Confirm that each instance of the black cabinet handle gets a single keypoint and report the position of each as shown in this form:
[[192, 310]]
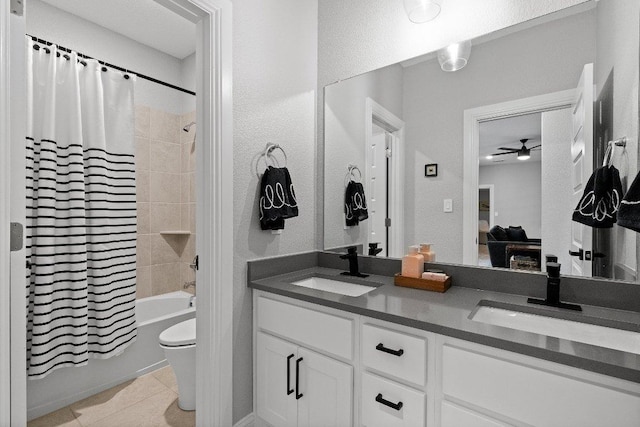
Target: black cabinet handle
[[396, 406], [298, 395], [381, 347], [289, 390]]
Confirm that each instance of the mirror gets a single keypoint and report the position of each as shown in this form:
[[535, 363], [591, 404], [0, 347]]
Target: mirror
[[418, 139]]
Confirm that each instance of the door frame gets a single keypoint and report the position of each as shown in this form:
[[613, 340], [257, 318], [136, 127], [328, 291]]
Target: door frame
[[214, 242], [376, 113], [472, 119], [492, 209]]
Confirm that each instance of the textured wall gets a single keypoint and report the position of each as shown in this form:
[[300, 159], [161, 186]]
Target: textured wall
[[557, 185], [517, 195], [617, 49], [274, 96]]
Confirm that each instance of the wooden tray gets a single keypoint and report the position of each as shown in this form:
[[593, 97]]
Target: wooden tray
[[426, 284]]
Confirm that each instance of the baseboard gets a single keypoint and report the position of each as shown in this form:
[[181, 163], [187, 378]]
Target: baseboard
[[245, 422]]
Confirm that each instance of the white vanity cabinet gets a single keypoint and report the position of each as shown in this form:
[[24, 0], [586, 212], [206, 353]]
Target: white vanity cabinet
[[320, 366], [485, 386], [295, 385]]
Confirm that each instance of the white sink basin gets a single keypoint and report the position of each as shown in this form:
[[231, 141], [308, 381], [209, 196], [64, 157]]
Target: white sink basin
[[603, 336], [334, 286]]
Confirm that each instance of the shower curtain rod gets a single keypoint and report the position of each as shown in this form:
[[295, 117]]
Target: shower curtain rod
[[142, 76]]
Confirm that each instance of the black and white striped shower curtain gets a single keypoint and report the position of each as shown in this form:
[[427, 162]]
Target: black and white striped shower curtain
[[81, 211]]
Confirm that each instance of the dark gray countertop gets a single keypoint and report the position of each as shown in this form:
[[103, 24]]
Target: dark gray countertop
[[448, 314]]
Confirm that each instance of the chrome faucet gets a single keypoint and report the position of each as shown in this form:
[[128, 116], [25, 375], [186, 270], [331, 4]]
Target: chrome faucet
[[189, 284], [553, 289], [352, 256]]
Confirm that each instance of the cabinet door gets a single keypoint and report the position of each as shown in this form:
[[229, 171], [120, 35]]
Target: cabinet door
[[275, 365], [455, 416], [326, 386]]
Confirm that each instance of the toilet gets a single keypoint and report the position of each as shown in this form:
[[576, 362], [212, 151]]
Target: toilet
[[179, 344]]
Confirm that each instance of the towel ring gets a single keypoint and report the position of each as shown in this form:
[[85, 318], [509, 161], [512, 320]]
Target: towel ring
[[269, 158], [351, 175], [611, 148]]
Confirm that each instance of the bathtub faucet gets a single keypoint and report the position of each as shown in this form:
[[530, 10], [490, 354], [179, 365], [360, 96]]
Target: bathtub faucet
[[189, 284]]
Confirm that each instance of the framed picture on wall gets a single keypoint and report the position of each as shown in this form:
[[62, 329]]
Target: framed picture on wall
[[431, 169]]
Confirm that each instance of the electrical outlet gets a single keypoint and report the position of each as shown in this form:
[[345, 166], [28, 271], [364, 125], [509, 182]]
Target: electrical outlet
[[448, 205]]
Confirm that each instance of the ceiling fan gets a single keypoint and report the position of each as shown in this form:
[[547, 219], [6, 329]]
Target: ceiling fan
[[523, 152]]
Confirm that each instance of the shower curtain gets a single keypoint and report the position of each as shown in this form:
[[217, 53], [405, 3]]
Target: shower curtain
[[81, 211]]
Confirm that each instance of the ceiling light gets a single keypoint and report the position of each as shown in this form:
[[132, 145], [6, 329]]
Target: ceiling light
[[455, 56], [421, 11], [489, 157], [524, 153]]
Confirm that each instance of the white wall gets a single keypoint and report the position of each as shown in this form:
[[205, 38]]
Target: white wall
[[345, 126], [617, 49], [557, 186], [538, 60], [274, 96], [49, 23], [517, 194]]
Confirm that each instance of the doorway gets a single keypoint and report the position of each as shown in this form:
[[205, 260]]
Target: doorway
[[486, 215], [213, 147], [384, 178]]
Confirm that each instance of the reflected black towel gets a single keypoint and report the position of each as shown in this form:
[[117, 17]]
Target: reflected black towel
[[355, 204], [629, 214], [277, 198], [601, 199]]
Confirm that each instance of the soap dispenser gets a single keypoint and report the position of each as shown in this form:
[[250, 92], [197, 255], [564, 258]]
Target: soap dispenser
[[413, 263]]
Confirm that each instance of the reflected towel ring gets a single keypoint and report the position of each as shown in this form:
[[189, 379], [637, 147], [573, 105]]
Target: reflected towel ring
[[269, 159], [350, 176]]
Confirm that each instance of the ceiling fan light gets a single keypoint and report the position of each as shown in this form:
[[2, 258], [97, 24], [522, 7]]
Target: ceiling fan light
[[421, 11], [524, 154], [489, 157], [455, 56]]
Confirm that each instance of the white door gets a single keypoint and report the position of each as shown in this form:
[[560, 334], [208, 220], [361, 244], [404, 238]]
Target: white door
[[326, 386], [276, 375], [377, 188], [582, 167]]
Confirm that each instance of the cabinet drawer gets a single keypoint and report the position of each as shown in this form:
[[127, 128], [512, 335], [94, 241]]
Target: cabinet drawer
[[375, 413], [381, 350], [315, 329]]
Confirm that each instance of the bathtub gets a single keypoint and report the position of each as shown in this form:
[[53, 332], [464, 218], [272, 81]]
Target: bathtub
[[67, 385]]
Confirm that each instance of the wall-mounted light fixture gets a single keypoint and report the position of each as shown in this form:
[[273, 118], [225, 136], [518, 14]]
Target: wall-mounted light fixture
[[455, 56], [421, 11]]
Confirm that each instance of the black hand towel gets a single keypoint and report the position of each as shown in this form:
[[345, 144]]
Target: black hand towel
[[355, 204], [629, 214], [601, 199], [277, 198]]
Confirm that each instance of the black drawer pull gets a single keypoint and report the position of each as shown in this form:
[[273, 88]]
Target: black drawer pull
[[289, 390], [381, 347], [298, 395], [396, 406]]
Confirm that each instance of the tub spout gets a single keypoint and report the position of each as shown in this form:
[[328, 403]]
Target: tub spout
[[189, 284]]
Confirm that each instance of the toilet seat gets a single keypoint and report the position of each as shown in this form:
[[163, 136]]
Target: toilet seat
[[180, 335]]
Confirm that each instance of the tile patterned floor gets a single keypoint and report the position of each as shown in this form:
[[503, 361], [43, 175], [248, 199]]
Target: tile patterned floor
[[147, 401]]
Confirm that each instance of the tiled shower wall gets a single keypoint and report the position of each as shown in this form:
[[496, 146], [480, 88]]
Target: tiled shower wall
[[165, 188]]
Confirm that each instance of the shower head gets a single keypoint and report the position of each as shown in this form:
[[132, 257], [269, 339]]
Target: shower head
[[188, 127]]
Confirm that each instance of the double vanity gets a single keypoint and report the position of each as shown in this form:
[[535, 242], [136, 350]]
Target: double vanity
[[334, 350]]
